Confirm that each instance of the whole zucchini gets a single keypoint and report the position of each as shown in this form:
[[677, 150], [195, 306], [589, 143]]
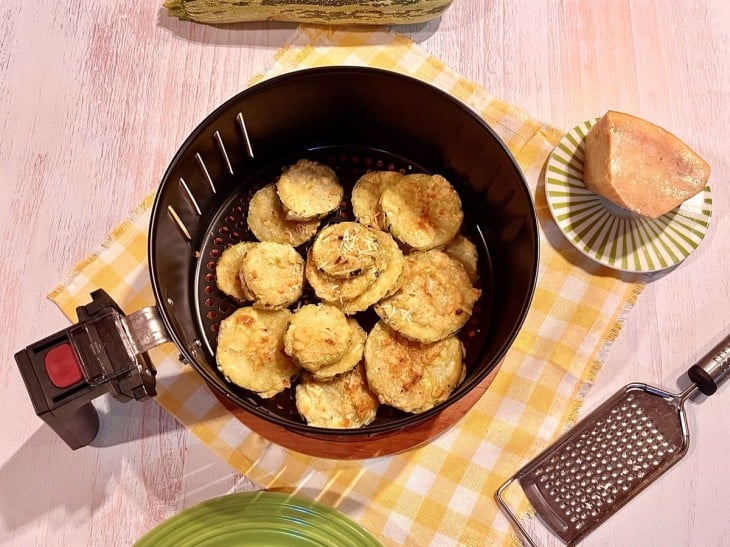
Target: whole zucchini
[[326, 12]]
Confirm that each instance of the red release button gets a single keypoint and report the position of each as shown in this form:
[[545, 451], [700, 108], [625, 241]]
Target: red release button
[[62, 366]]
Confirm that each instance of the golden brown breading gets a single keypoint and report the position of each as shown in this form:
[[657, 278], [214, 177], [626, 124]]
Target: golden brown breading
[[412, 376], [390, 266], [333, 290], [309, 190], [250, 350], [435, 298], [318, 335], [344, 402], [366, 197], [465, 252], [422, 211], [267, 220], [227, 272], [345, 249], [353, 355], [274, 274]]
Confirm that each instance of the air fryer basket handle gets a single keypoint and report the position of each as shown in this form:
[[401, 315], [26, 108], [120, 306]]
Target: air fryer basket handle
[[76, 421], [713, 369], [105, 352]]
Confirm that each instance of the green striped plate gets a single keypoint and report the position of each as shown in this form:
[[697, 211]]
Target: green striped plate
[[612, 235], [258, 519]]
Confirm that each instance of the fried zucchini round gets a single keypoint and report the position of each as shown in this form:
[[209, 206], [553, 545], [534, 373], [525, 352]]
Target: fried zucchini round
[[435, 298], [250, 350], [465, 252], [366, 197], [344, 402], [352, 357], [345, 249], [336, 291], [274, 273], [227, 272], [412, 376], [267, 220], [318, 335], [422, 211], [309, 190], [387, 282]]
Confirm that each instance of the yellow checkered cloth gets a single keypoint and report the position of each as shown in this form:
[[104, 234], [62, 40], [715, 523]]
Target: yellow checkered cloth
[[441, 493]]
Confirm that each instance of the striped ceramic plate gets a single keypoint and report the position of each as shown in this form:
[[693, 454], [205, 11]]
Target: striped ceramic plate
[[610, 234]]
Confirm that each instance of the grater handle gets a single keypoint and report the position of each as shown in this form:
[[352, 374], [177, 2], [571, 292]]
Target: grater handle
[[510, 514], [710, 371]]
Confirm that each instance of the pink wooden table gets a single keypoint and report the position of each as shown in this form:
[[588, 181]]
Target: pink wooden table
[[96, 97]]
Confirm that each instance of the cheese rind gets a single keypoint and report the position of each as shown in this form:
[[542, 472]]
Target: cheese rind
[[641, 166]]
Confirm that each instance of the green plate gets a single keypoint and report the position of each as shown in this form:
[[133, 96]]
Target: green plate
[[260, 519], [613, 236]]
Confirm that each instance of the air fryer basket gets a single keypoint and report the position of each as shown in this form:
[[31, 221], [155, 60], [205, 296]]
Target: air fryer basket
[[353, 119]]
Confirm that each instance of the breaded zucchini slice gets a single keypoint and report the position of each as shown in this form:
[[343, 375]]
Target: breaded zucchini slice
[[366, 197], [422, 211], [435, 298], [227, 272], [344, 402], [309, 190], [250, 351], [390, 266], [412, 376], [318, 335], [353, 355], [463, 250], [267, 220], [274, 273], [345, 249], [333, 290]]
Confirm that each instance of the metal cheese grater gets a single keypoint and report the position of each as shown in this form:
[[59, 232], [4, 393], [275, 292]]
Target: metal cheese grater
[[611, 455]]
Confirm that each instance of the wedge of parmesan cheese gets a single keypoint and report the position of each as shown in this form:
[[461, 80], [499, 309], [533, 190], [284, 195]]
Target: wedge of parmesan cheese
[[640, 166]]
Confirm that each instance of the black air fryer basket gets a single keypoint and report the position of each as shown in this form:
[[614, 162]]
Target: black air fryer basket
[[353, 119]]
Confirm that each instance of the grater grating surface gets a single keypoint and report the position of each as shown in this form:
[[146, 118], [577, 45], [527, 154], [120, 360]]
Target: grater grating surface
[[605, 461], [612, 454]]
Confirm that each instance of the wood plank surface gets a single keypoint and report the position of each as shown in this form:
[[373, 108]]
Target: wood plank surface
[[95, 98]]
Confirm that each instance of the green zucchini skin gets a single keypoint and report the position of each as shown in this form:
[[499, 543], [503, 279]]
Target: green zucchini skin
[[324, 12]]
